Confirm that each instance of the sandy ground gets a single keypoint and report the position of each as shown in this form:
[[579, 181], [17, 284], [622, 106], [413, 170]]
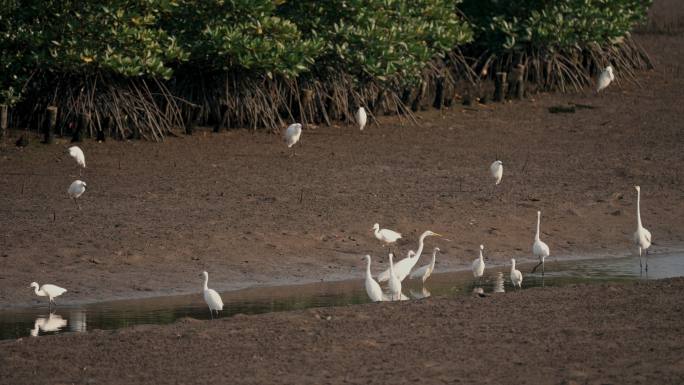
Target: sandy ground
[[597, 334], [155, 215]]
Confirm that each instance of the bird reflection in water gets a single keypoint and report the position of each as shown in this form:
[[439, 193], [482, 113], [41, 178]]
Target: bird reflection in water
[[53, 323]]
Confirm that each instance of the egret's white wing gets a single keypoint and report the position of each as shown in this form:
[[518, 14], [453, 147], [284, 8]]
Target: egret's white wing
[[292, 134], [78, 155], [53, 290], [213, 299], [361, 117], [604, 80], [389, 235], [373, 290], [401, 269]]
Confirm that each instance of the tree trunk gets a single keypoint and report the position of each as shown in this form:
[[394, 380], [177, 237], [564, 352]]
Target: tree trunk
[[50, 123]]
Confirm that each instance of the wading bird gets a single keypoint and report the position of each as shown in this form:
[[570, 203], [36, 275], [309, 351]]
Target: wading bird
[[76, 189], [292, 134], [479, 265], [76, 153], [211, 297], [539, 248], [394, 282], [386, 236], [605, 78], [403, 267], [516, 275], [642, 237], [372, 288], [496, 170], [361, 118], [425, 272], [48, 290]]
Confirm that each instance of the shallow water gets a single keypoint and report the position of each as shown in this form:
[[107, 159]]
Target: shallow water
[[38, 321]]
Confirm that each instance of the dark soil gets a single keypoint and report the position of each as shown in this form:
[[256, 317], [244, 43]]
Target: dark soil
[[598, 334]]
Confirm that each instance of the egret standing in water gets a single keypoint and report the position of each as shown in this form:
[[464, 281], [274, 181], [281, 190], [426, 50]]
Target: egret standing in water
[[48, 290], [605, 78], [76, 153], [211, 297], [403, 267], [292, 134], [426, 271], [76, 189], [516, 275], [496, 169], [394, 282], [372, 288], [361, 118], [539, 248], [479, 265], [642, 237]]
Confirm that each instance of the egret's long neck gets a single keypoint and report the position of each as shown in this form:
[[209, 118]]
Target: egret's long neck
[[377, 232], [421, 243], [512, 265], [206, 281], [481, 258], [391, 266], [639, 209], [39, 293], [368, 272], [434, 258], [536, 236]]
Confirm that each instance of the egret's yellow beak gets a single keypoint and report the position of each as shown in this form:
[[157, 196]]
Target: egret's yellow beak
[[438, 235]]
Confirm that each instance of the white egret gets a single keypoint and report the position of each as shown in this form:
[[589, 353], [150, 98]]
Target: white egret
[[372, 288], [496, 170], [516, 275], [361, 118], [605, 78], [48, 290], [76, 153], [403, 267], [387, 236], [642, 237], [539, 248], [394, 282], [479, 265], [292, 134], [76, 189], [211, 297], [424, 272], [53, 323]]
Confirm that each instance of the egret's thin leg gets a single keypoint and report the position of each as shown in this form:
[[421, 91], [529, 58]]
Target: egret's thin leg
[[211, 313], [535, 268]]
